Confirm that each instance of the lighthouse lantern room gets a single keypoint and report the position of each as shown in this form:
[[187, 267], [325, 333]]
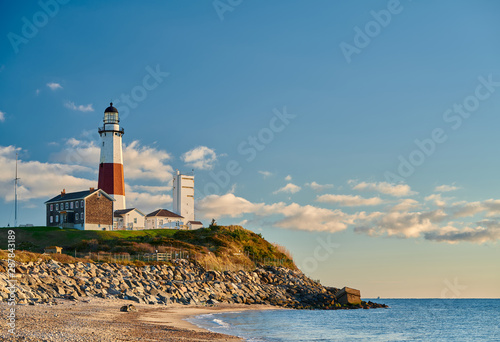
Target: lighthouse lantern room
[[111, 178]]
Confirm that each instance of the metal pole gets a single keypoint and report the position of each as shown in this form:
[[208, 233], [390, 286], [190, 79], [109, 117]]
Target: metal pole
[[15, 196]]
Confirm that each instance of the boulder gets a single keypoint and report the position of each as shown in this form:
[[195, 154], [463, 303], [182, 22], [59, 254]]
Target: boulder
[[128, 308]]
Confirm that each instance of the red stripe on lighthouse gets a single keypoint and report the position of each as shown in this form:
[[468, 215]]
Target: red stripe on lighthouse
[[111, 178]]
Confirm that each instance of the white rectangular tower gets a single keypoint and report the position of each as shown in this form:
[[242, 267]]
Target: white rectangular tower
[[184, 196]]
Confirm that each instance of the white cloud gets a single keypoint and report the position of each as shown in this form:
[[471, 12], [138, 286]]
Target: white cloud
[[146, 163], [37, 92], [150, 188], [78, 152], [147, 202], [2, 116], [266, 174], [437, 199], [288, 178], [445, 188], [349, 200], [139, 162], [485, 231], [81, 108], [291, 216], [319, 187], [397, 190], [201, 157], [289, 188], [39, 180], [405, 205], [215, 206], [403, 224], [54, 86]]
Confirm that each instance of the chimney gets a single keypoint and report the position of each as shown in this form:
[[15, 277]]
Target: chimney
[[63, 192], [92, 189]]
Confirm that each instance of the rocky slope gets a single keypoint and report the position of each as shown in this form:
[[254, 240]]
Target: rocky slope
[[183, 282]]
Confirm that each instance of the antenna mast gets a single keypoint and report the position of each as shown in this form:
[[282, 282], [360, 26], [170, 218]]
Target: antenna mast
[[15, 196]]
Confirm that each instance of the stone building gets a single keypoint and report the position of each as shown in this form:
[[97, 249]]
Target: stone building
[[85, 210]]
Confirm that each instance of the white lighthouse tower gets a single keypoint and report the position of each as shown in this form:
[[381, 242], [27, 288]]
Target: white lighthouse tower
[[111, 178], [184, 196]]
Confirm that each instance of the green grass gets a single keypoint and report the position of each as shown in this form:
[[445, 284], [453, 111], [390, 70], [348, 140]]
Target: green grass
[[221, 245]]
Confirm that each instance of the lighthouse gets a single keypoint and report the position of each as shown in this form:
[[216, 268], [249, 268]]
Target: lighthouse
[[111, 178]]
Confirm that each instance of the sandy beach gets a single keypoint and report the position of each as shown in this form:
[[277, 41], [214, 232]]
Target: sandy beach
[[95, 319]]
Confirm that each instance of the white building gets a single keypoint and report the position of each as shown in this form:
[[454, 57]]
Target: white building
[[194, 225], [164, 219], [183, 189], [129, 219]]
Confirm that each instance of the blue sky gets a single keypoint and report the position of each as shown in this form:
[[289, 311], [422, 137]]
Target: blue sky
[[377, 168]]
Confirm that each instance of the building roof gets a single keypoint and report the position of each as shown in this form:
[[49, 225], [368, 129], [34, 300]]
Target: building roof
[[111, 109], [77, 196], [196, 222], [121, 212], [163, 213]]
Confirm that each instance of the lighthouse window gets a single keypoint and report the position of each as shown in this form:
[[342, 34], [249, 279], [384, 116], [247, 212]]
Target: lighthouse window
[[103, 143]]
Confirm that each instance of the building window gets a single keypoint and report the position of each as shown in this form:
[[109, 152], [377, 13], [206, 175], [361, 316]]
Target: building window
[[76, 216], [51, 207], [67, 205], [76, 204], [81, 206], [161, 222], [51, 219], [71, 205], [57, 218], [135, 220], [57, 206]]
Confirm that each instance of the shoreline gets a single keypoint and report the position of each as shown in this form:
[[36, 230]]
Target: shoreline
[[177, 315], [96, 319]]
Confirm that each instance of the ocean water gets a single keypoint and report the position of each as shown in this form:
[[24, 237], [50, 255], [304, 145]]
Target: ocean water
[[405, 320]]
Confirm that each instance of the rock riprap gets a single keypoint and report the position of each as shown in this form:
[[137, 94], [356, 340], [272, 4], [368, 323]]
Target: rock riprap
[[182, 282]]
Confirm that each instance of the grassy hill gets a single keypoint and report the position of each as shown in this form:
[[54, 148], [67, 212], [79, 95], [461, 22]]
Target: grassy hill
[[223, 247]]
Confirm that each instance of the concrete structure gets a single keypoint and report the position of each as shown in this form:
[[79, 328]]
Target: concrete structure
[[53, 249], [183, 193], [111, 178], [129, 219], [86, 210], [348, 296], [164, 219]]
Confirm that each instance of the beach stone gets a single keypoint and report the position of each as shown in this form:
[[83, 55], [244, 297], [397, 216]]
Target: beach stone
[[128, 308]]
